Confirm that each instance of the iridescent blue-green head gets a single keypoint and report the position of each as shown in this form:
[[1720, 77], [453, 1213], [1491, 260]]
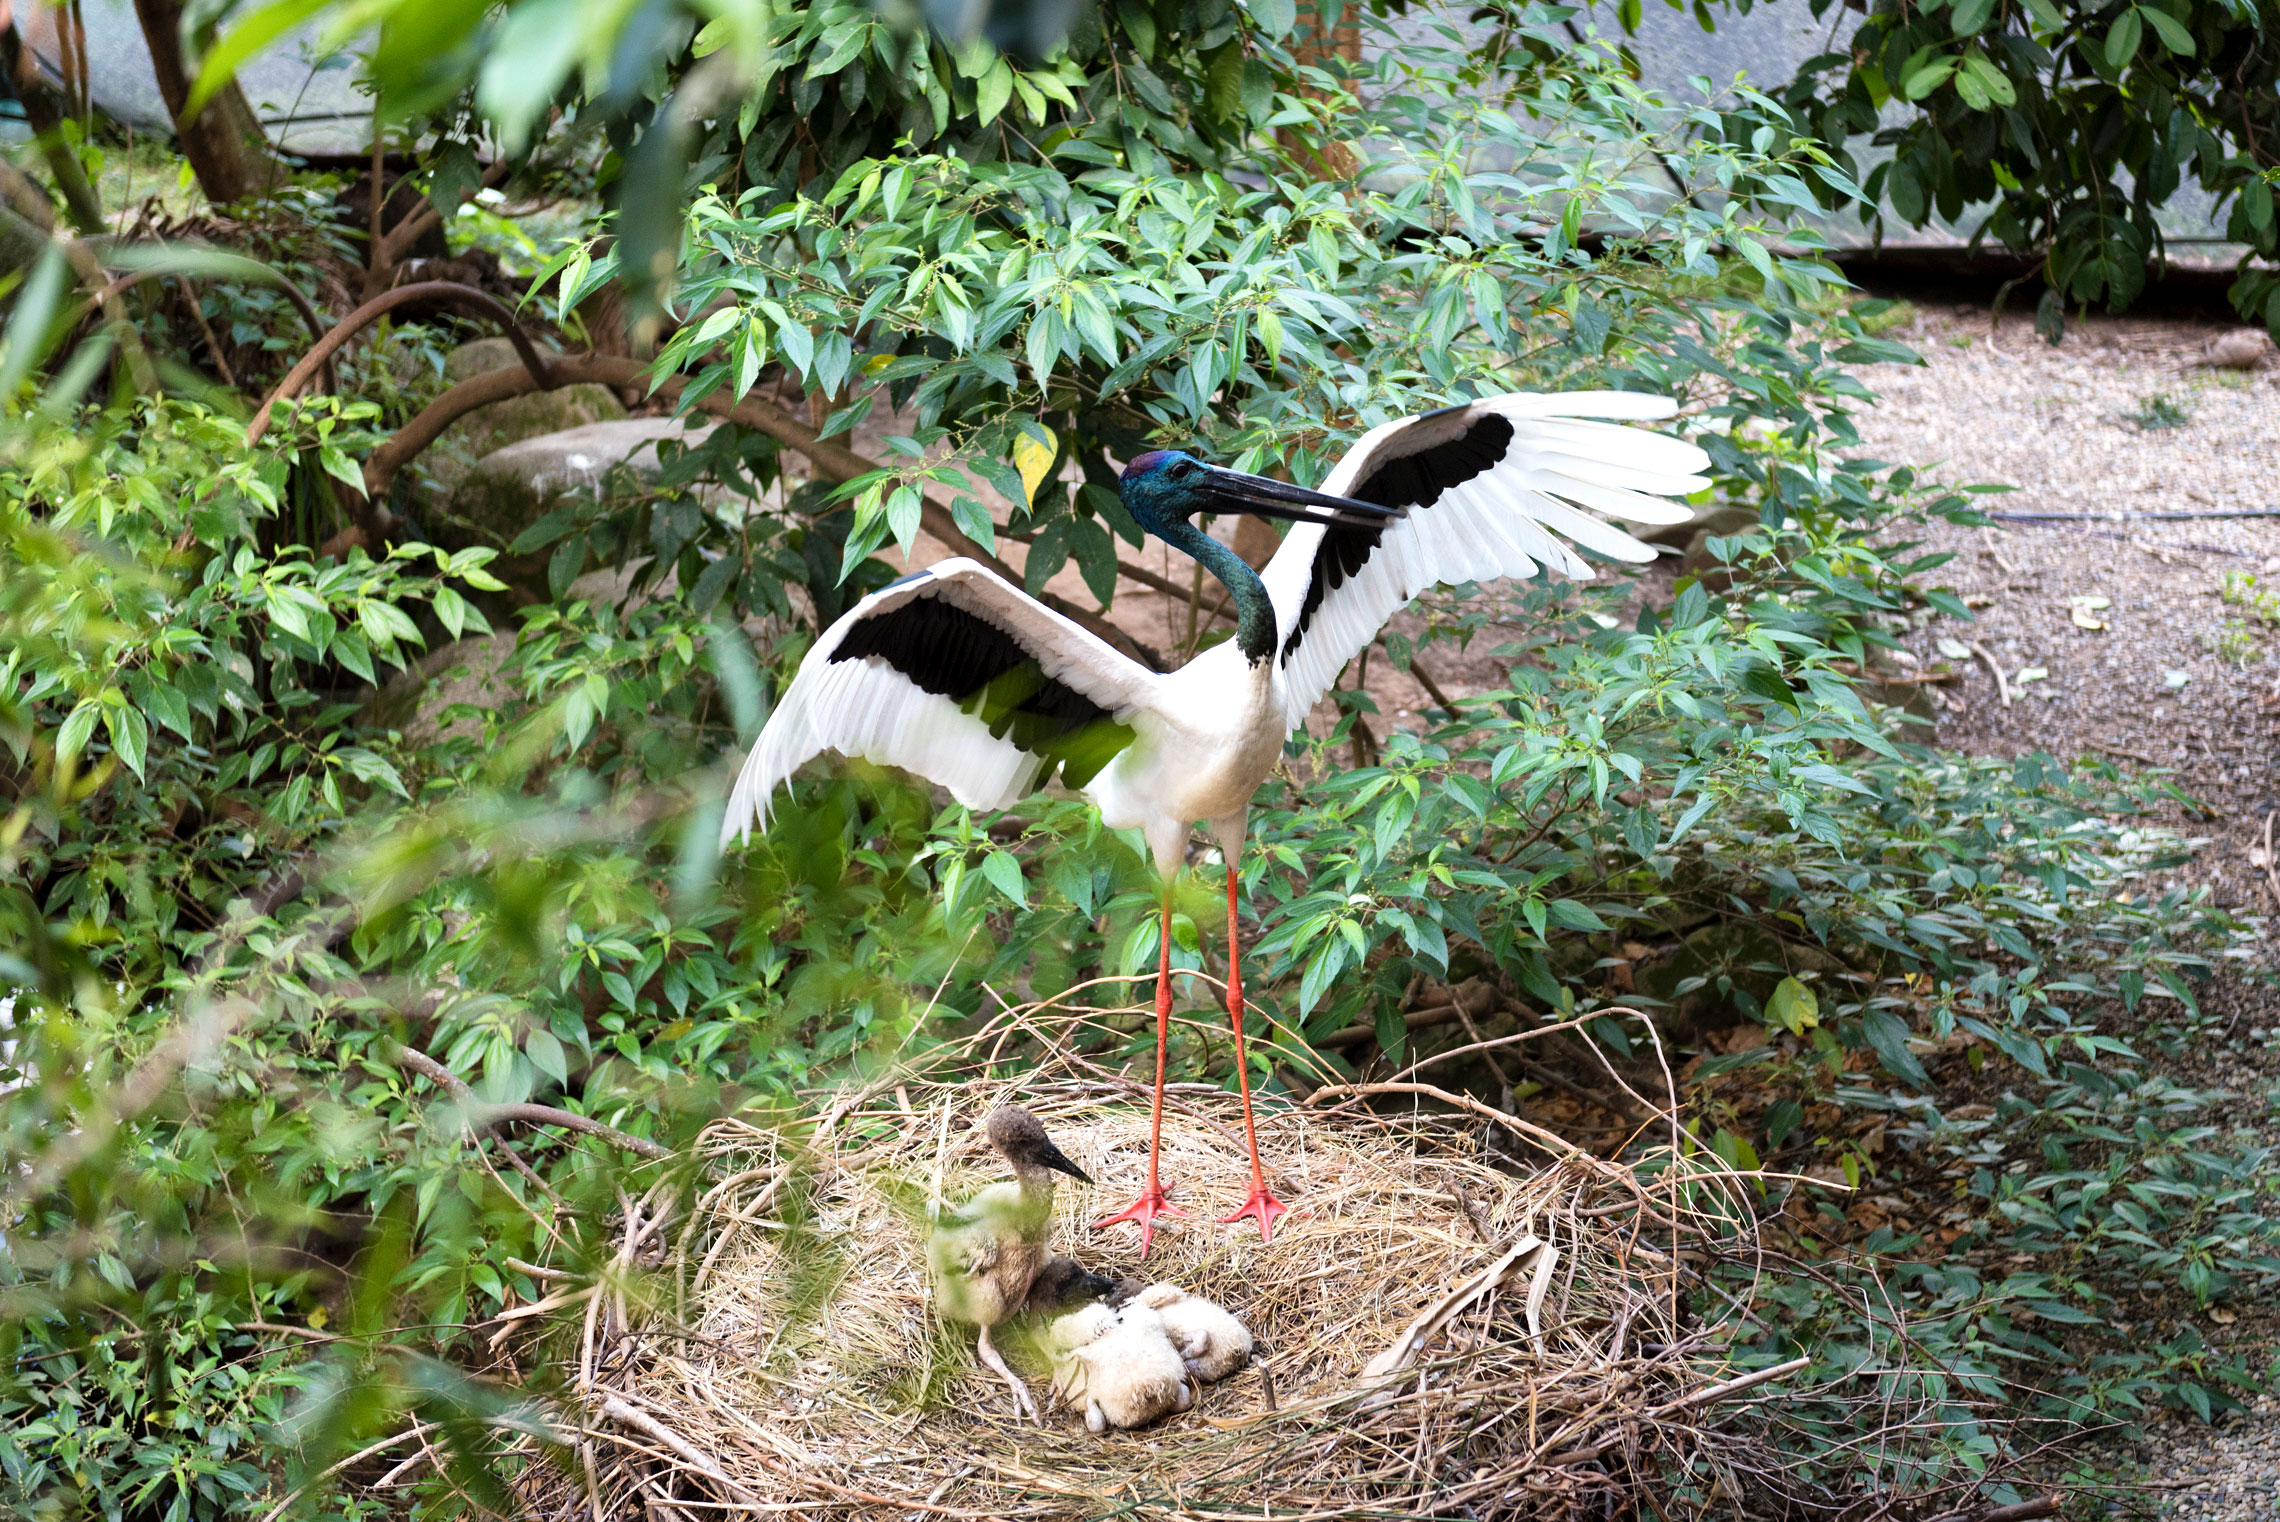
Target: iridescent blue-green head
[[1167, 487]]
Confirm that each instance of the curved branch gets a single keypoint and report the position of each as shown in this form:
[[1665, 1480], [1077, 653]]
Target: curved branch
[[448, 292], [485, 1117], [832, 460]]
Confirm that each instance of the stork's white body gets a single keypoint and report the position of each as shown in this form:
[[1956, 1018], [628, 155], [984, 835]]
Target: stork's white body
[[1212, 736], [1204, 737]]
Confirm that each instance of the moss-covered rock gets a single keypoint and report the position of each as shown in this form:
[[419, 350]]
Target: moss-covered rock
[[510, 489]]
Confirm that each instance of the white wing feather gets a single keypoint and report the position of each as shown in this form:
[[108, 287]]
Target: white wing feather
[[1505, 522], [867, 708]]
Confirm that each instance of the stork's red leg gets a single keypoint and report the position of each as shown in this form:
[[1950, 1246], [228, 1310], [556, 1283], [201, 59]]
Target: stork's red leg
[[1152, 1202], [1262, 1202]]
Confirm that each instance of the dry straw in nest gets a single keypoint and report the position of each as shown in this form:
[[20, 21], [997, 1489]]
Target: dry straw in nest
[[788, 1361]]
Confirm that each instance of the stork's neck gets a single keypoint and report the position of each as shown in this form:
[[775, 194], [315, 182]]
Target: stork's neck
[[1254, 610]]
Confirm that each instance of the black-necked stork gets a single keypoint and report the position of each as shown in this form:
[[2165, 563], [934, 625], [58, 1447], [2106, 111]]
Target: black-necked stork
[[958, 676], [984, 1257]]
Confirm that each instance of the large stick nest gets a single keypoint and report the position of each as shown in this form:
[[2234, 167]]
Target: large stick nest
[[787, 1357]]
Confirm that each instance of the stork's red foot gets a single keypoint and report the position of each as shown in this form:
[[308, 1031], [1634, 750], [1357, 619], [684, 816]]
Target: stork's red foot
[[1265, 1206], [1144, 1210]]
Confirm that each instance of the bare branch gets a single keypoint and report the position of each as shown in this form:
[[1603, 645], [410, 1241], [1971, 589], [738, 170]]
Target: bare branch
[[484, 1117]]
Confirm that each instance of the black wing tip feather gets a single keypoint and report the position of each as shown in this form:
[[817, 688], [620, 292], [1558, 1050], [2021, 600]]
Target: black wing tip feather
[[955, 653], [1412, 480]]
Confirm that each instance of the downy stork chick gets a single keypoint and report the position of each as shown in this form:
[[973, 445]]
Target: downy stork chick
[[985, 1256], [1119, 1365], [1064, 1285], [1211, 1342]]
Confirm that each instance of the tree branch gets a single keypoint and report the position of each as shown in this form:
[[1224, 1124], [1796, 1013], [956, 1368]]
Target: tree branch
[[485, 1117], [448, 292], [832, 460]]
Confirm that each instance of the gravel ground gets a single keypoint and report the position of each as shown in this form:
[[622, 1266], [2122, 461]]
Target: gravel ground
[[2164, 682], [2159, 683]]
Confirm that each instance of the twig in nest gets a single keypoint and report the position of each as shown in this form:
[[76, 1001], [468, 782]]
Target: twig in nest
[[1704, 1397], [2002, 686], [1464, 1201]]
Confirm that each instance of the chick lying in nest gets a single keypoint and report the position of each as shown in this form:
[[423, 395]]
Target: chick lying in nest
[[1131, 1358]]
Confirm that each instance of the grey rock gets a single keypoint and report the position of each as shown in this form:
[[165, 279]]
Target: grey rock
[[2240, 349], [446, 462], [511, 488]]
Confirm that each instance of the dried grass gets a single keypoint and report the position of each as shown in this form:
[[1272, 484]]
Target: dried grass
[[787, 1361]]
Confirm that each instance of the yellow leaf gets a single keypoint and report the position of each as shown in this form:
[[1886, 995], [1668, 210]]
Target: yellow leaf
[[318, 1318], [1033, 454], [1794, 1006]]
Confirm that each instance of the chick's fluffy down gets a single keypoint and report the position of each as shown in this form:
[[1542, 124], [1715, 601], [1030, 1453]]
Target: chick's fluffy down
[[1211, 1342], [1119, 1365]]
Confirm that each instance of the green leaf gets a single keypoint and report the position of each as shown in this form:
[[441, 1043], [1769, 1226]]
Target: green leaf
[[1223, 83], [545, 1053], [2123, 38], [1754, 252], [1991, 80], [243, 41], [1003, 873], [1888, 1034], [1735, 1150], [1275, 17], [170, 708], [1925, 80], [2174, 36], [1570, 915], [130, 735], [1392, 1029], [992, 91], [1139, 24], [72, 738], [841, 43]]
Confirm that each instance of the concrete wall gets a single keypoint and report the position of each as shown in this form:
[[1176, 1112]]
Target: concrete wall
[[307, 99]]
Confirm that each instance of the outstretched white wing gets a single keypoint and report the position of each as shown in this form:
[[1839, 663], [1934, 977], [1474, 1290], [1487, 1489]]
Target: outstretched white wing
[[1493, 488], [957, 675]]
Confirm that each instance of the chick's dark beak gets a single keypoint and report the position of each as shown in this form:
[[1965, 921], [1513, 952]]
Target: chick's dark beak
[[1050, 1156], [1235, 491]]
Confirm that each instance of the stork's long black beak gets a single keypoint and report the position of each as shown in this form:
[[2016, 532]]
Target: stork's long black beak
[[1046, 1155], [1264, 497]]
